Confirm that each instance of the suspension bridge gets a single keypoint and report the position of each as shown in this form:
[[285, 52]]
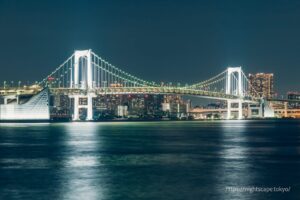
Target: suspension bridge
[[85, 75]]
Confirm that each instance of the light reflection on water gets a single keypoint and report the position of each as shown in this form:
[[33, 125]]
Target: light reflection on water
[[147, 160], [81, 163], [234, 167]]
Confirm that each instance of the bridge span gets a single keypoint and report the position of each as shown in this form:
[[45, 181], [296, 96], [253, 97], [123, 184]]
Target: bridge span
[[85, 75]]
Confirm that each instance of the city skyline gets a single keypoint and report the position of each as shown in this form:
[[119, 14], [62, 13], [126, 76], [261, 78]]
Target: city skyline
[[152, 99], [84, 85], [145, 40]]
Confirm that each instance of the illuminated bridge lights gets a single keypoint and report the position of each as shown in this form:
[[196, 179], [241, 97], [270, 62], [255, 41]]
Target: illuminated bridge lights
[[86, 74]]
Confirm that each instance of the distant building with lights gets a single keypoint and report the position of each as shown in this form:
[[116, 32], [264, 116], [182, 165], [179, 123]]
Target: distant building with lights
[[122, 111], [294, 96], [262, 84], [174, 106]]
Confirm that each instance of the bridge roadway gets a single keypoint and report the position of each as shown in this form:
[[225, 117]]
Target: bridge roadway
[[144, 90], [124, 90], [20, 91]]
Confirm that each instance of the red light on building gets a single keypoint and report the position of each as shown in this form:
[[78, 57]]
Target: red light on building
[[51, 78]]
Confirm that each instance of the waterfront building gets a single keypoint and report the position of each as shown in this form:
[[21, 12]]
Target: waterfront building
[[262, 84], [283, 109], [137, 106], [122, 111], [144, 106], [60, 107], [153, 105], [174, 106], [106, 106], [165, 107], [294, 96], [36, 108], [207, 113]]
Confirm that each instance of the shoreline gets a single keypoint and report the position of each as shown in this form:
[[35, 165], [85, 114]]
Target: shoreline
[[146, 120]]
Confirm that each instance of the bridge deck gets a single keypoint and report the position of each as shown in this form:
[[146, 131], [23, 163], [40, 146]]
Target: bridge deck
[[144, 90], [125, 90]]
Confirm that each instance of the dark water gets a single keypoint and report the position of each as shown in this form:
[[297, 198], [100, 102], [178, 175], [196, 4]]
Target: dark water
[[149, 160]]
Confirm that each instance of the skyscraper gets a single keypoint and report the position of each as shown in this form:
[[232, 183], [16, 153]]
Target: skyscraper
[[262, 84]]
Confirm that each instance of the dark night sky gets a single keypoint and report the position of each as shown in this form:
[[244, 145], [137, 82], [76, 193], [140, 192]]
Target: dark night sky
[[180, 41]]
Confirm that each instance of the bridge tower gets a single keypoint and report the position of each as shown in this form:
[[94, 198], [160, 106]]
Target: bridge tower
[[82, 81], [86, 82], [234, 86]]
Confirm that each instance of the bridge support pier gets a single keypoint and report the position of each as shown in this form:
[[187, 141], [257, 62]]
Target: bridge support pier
[[88, 105], [10, 97], [239, 108], [228, 109], [255, 110], [89, 108], [76, 109], [235, 88]]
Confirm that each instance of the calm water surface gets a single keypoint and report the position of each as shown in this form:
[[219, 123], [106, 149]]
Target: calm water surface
[[149, 160]]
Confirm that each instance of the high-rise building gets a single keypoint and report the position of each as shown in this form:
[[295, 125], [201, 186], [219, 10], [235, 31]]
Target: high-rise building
[[262, 84]]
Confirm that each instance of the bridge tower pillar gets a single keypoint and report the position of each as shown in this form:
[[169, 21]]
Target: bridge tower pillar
[[85, 77], [229, 81], [239, 108], [236, 89], [88, 72]]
